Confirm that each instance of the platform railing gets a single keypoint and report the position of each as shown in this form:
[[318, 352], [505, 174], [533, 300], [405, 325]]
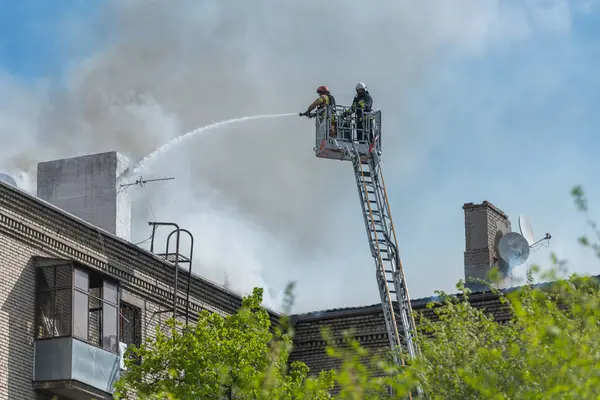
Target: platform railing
[[363, 128]]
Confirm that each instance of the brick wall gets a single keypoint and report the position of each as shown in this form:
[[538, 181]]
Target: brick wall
[[17, 310], [30, 227], [17, 314], [369, 326], [484, 226], [309, 345], [73, 238]]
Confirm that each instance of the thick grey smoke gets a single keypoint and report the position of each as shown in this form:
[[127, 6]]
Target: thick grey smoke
[[262, 207]]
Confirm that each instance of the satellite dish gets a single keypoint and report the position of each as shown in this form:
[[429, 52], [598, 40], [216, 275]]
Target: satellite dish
[[8, 180], [513, 249], [525, 228]]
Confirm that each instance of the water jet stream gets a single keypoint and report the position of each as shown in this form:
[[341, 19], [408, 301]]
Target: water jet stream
[[150, 158]]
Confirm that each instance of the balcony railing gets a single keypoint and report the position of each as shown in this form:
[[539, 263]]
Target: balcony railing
[[72, 368]]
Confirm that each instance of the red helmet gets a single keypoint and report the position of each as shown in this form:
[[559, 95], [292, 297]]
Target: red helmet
[[322, 89]]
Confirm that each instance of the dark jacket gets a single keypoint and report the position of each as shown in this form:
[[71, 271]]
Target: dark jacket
[[362, 103]]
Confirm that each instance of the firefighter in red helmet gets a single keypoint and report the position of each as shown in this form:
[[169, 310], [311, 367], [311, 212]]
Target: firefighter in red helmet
[[321, 104]]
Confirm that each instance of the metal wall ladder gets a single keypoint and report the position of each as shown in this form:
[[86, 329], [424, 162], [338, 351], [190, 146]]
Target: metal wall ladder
[[384, 248]]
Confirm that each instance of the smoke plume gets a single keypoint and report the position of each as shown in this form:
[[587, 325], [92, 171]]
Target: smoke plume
[[263, 209]]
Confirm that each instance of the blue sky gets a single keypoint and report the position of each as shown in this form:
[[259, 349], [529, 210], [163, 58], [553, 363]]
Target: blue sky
[[506, 111], [32, 42], [522, 127]]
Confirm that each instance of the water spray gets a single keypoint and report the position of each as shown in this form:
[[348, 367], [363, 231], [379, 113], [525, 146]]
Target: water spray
[[150, 158]]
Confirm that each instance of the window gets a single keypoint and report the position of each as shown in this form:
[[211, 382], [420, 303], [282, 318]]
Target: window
[[53, 308], [95, 310], [72, 301], [130, 332], [130, 324]]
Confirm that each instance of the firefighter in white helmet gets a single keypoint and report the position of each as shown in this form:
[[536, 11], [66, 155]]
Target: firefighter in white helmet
[[363, 102]]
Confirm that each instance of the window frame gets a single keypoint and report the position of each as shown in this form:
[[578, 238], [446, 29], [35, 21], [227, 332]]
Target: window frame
[[137, 327], [103, 303], [39, 271], [73, 317]]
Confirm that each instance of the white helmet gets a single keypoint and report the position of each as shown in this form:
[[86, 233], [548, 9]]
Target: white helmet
[[360, 86]]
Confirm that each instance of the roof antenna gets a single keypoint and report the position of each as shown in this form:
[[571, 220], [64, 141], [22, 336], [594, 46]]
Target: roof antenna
[[527, 232], [141, 182]]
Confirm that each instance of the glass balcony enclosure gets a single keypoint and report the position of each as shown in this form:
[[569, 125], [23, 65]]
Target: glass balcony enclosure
[[76, 330]]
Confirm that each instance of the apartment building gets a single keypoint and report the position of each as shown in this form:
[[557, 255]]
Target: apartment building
[[75, 292]]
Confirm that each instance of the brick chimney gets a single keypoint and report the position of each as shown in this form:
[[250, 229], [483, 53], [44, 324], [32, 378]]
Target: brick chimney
[[87, 187], [484, 226]]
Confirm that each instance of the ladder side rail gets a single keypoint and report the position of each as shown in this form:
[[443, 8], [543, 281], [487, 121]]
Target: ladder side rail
[[387, 303], [376, 173], [369, 214], [401, 279], [404, 315], [364, 200], [392, 250], [401, 295], [388, 312], [388, 215]]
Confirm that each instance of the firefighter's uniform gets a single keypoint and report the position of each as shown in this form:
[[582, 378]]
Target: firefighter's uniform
[[362, 103], [322, 103]]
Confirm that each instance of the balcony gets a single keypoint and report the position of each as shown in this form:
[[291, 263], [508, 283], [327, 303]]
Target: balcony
[[77, 351], [74, 369]]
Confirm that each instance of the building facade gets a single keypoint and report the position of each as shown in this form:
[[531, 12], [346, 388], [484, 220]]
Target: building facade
[[73, 296], [74, 292]]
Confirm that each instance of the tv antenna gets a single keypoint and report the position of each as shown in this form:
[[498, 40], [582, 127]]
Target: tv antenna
[[141, 182], [527, 232]]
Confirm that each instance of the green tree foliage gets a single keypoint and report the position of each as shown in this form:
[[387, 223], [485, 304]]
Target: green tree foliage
[[547, 349], [236, 357]]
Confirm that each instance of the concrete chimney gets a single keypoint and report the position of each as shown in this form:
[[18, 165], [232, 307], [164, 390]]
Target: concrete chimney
[[87, 187], [485, 224]]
